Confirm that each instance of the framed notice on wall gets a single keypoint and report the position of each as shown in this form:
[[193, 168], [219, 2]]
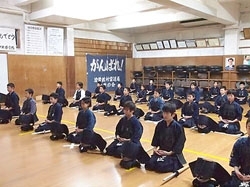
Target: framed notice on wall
[[55, 41], [34, 39]]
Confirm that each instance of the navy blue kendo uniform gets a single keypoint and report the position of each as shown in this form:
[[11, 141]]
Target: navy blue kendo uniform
[[54, 113], [86, 121], [118, 93], [240, 158], [230, 111], [169, 94], [102, 98], [189, 109], [142, 96], [133, 87], [241, 96], [61, 96], [213, 93], [155, 104], [111, 109], [167, 138], [220, 99], [130, 129], [197, 94], [97, 92], [28, 115], [12, 100]]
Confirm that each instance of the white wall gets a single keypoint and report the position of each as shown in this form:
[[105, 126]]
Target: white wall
[[244, 23]]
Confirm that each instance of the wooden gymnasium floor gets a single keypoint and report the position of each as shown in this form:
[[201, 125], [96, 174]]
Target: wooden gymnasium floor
[[35, 160]]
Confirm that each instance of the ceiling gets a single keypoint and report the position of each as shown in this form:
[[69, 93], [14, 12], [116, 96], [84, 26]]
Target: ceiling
[[131, 16]]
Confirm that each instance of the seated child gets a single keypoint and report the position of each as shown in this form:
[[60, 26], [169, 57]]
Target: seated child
[[189, 112], [155, 107], [61, 94], [11, 105], [133, 86], [97, 90], [102, 99], [241, 94], [127, 139], [54, 115], [195, 89], [28, 115], [168, 141], [142, 95], [79, 94], [230, 115], [118, 92], [214, 91]]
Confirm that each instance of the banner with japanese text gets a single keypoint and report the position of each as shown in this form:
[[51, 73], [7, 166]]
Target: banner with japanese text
[[108, 69]]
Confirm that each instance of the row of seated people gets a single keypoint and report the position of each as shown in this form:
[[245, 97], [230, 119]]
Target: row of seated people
[[168, 139]]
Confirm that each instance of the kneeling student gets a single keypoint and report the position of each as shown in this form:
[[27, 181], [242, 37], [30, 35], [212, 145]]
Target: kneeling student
[[168, 141], [54, 115], [155, 107], [189, 112], [28, 115], [230, 114], [84, 133], [127, 142]]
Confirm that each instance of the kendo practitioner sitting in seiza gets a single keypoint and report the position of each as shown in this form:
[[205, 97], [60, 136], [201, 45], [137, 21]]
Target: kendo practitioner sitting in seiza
[[230, 115], [168, 141], [102, 99], [240, 161], [54, 115], [127, 143], [11, 105], [189, 112]]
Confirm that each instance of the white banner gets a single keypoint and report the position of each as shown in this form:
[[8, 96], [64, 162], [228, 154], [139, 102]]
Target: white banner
[[55, 41], [34, 39], [7, 39]]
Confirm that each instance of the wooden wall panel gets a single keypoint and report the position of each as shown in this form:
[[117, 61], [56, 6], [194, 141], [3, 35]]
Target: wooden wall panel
[[81, 70], [38, 72], [70, 75], [84, 46]]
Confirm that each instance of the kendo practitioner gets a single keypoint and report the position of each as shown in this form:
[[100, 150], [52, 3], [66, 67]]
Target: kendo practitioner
[[133, 86], [239, 160], [168, 95], [207, 107], [208, 173], [168, 141], [127, 143], [11, 105], [118, 92], [28, 115], [54, 115], [111, 109], [189, 112], [150, 87], [230, 115], [241, 94], [61, 94], [78, 95], [142, 95], [206, 124], [97, 90], [195, 89], [84, 132], [102, 99], [214, 91], [155, 107]]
